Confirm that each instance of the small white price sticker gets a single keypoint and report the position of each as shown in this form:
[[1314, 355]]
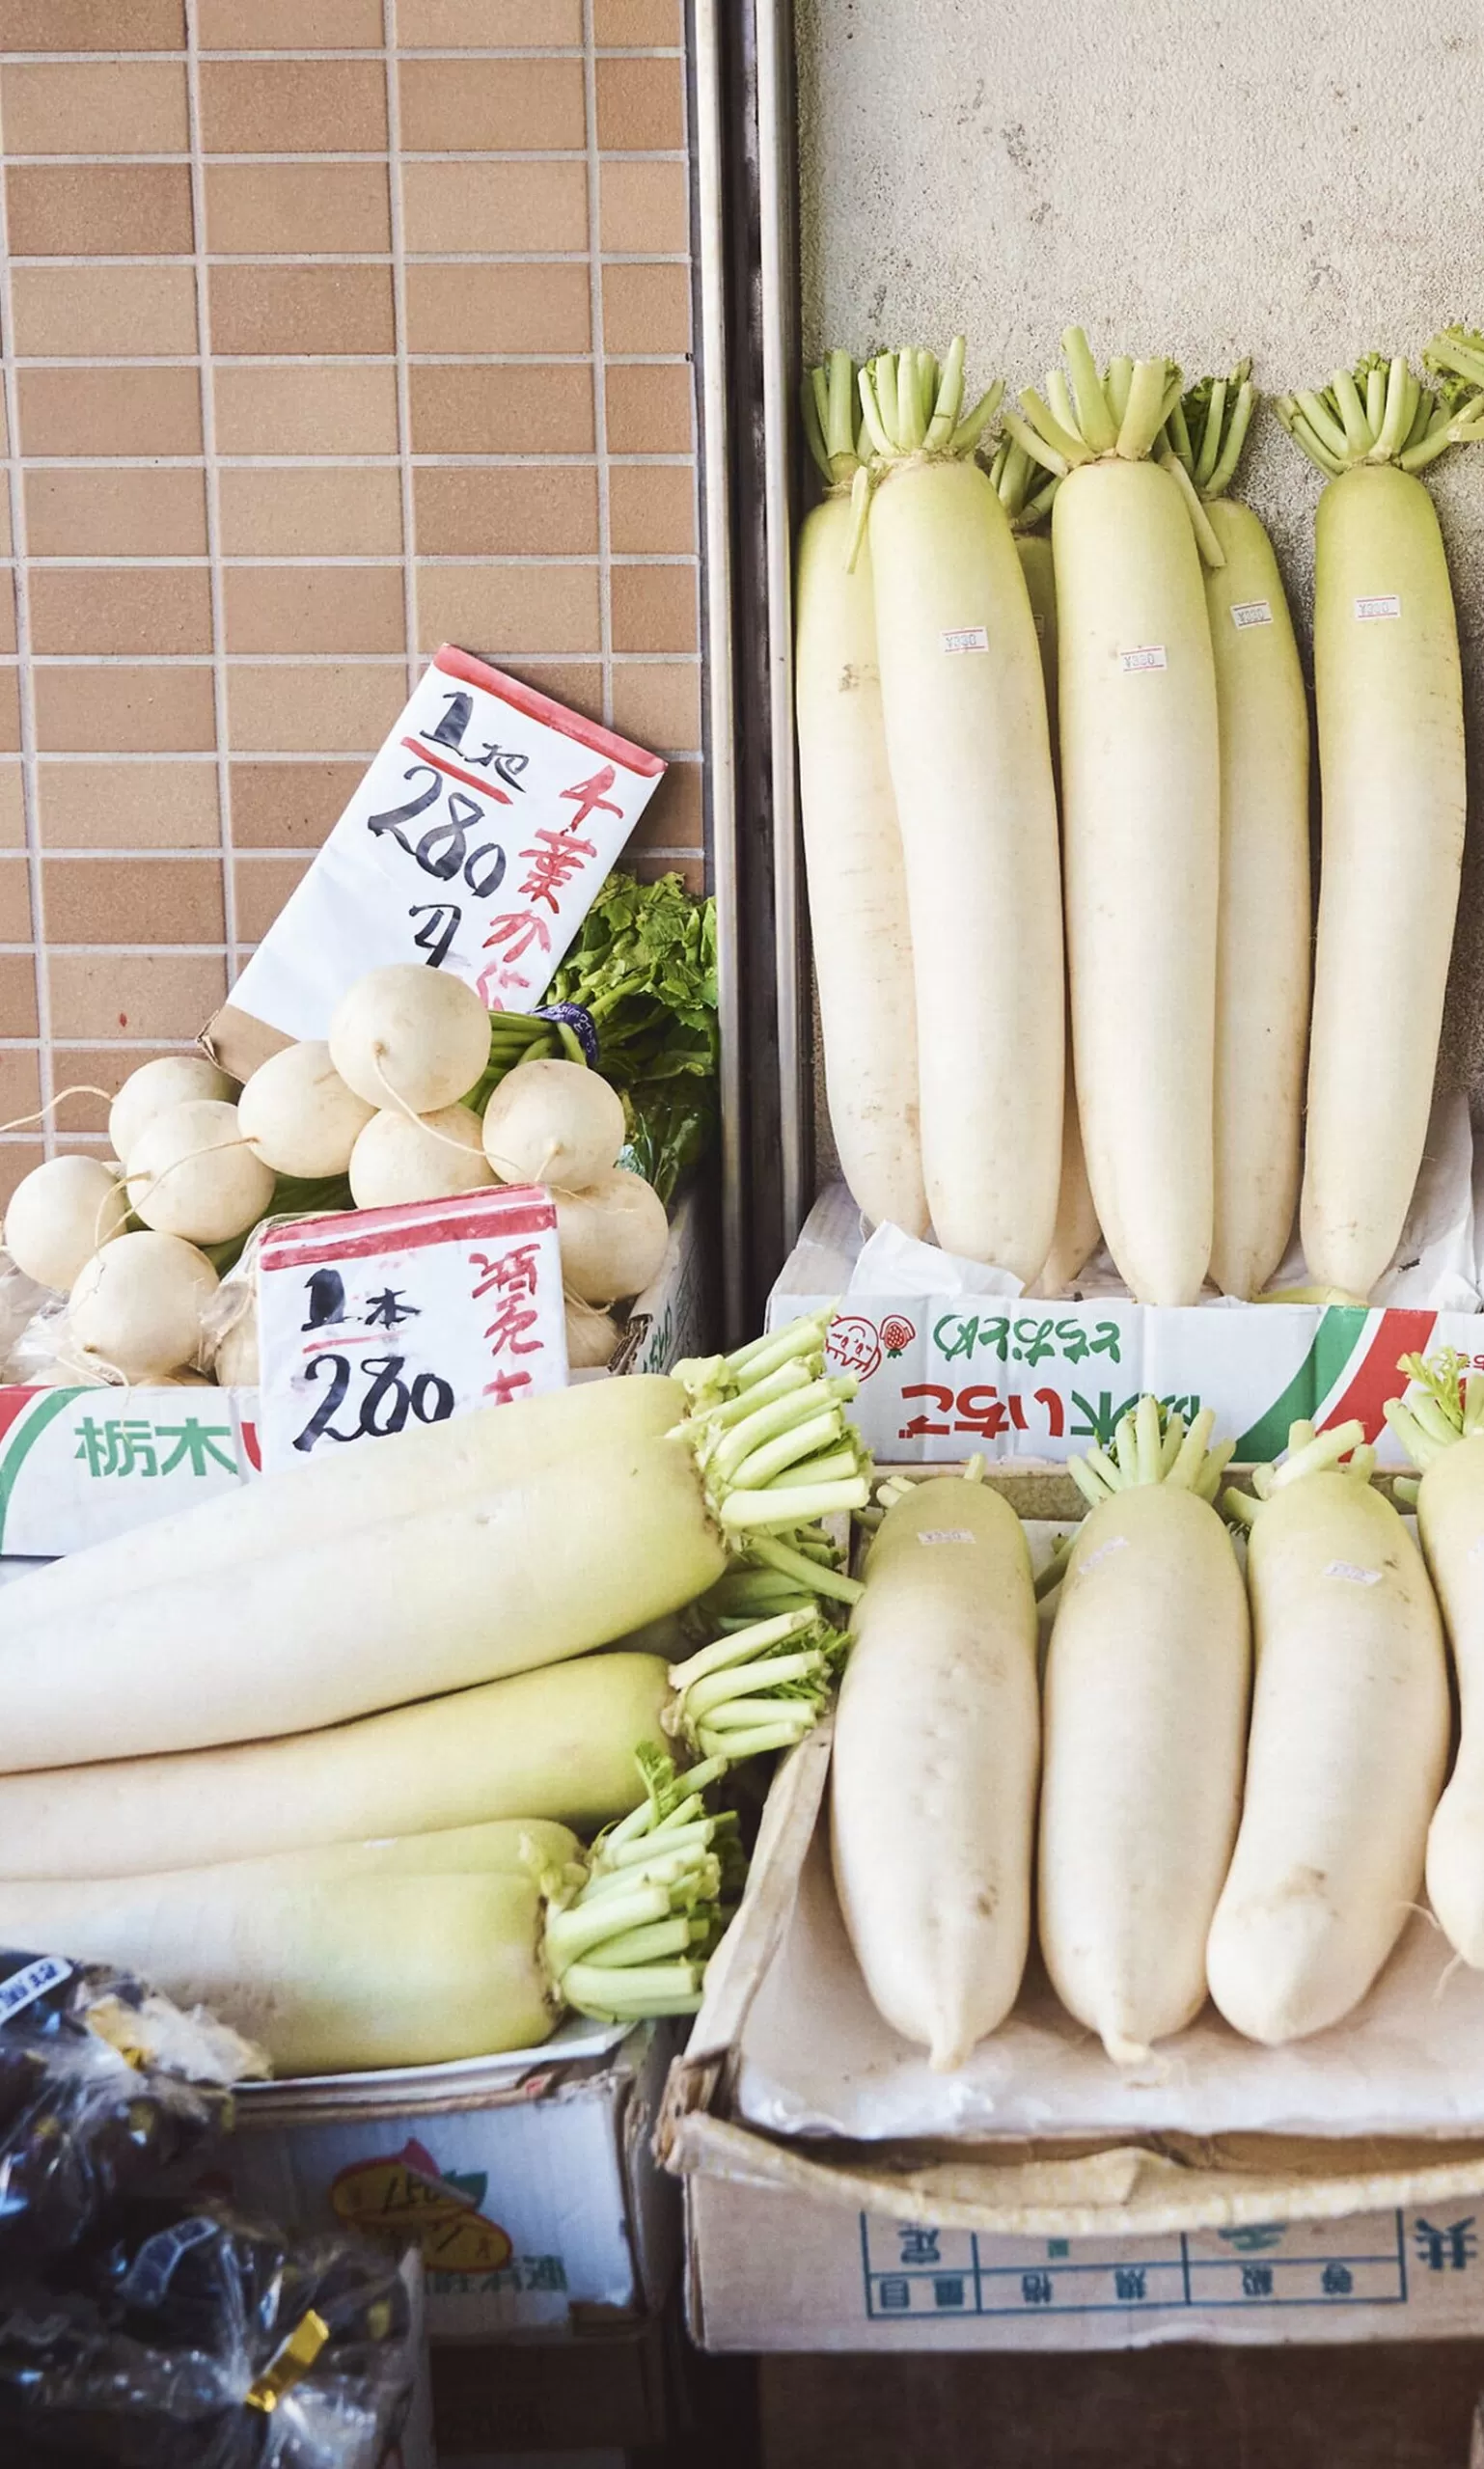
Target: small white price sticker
[[373, 1321], [1350, 1575], [1144, 657], [1380, 604], [966, 639], [945, 1534], [1251, 612]]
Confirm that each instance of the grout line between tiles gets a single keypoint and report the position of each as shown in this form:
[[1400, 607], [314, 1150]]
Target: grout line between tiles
[[26, 686], [400, 339], [599, 381], [213, 475]]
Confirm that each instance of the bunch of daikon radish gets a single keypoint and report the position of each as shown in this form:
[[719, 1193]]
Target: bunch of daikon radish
[[929, 785], [1223, 1787], [309, 1755], [198, 1162]]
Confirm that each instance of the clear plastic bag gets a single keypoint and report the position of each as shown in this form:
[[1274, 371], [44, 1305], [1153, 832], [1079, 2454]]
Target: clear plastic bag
[[198, 2339], [102, 2084]]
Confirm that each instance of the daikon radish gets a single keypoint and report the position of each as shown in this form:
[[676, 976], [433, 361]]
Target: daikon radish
[[191, 1173], [435, 1158], [1025, 492], [552, 1122], [407, 1966], [511, 1847], [969, 757], [1441, 1429], [156, 1088], [1146, 1694], [852, 843], [59, 1215], [613, 1236], [412, 1035], [444, 1594], [936, 1754], [136, 1305], [1347, 1748], [1389, 693], [299, 1115], [1139, 810], [1262, 970]]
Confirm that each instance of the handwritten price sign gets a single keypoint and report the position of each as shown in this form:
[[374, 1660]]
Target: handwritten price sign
[[476, 842], [373, 1322]]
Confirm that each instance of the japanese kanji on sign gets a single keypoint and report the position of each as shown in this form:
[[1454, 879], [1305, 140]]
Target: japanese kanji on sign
[[475, 843], [375, 1323]]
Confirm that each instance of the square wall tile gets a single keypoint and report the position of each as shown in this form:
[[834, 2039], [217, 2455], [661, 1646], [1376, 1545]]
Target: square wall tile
[[91, 25], [470, 107], [261, 885], [444, 24], [309, 409], [651, 409], [128, 806], [640, 105], [462, 205], [499, 609], [95, 107], [321, 707], [131, 512], [311, 511], [20, 1083], [536, 408], [17, 994], [125, 993], [10, 710], [289, 25], [103, 901], [99, 210], [286, 209], [646, 308], [315, 608], [16, 924], [499, 308], [637, 21], [95, 311], [675, 817], [12, 809], [123, 709], [293, 107], [654, 608], [652, 509], [109, 411], [282, 309], [154, 611], [288, 806], [645, 209], [658, 704]]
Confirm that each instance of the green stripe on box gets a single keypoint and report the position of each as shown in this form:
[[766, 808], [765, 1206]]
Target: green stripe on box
[[27, 1432], [1341, 1326]]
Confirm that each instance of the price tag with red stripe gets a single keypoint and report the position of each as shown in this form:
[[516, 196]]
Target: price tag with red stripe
[[378, 1320]]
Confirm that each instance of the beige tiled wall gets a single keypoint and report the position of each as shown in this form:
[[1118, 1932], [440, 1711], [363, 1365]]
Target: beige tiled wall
[[332, 329]]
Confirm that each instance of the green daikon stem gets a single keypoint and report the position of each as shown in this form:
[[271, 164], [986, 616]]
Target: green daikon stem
[[1152, 1446]]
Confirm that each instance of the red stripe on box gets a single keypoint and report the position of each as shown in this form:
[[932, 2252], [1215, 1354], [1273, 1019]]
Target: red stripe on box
[[521, 1209], [470, 672], [1379, 1378]]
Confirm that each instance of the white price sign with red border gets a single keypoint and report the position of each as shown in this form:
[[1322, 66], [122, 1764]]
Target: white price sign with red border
[[375, 1321], [477, 842]]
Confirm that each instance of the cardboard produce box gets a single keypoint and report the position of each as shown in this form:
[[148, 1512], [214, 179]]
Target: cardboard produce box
[[838, 2194]]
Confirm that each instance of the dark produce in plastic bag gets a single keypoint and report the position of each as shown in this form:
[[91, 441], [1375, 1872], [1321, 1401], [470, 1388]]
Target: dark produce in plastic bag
[[102, 2085], [205, 2340]]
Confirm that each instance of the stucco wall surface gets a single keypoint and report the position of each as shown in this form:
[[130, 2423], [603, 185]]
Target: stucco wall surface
[[1301, 183]]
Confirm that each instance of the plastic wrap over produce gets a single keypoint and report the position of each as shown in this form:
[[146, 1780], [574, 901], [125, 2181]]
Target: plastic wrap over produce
[[952, 1358]]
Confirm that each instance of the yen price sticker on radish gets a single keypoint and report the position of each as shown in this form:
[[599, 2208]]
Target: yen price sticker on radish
[[476, 842], [381, 1320]]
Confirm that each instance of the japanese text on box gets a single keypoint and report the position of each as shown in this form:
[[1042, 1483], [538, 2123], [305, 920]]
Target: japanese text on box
[[372, 1323]]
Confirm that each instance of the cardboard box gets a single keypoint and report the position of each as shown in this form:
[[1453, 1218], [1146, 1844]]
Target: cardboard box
[[944, 1374], [606, 2387], [528, 2184], [966, 2238], [78, 1465]]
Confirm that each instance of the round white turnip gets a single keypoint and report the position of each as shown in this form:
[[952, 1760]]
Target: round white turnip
[[592, 1336], [435, 1158], [552, 1122], [410, 1034], [137, 1304], [170, 1080], [300, 1117], [613, 1236], [60, 1215], [191, 1175]]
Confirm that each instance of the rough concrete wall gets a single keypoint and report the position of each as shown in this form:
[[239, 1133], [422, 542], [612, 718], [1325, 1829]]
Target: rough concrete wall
[[1292, 179]]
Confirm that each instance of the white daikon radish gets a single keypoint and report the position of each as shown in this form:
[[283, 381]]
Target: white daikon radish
[[137, 1306], [613, 1236], [1440, 1425], [852, 843], [1262, 977], [299, 1115], [937, 1749], [1348, 1748], [60, 1215], [592, 1336], [170, 1080], [192, 1174], [1389, 693], [513, 1845], [408, 1964], [445, 1594], [1146, 1696], [410, 1035], [552, 1122], [235, 1361], [1139, 807], [558, 1744], [1076, 1235], [435, 1158], [969, 757]]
